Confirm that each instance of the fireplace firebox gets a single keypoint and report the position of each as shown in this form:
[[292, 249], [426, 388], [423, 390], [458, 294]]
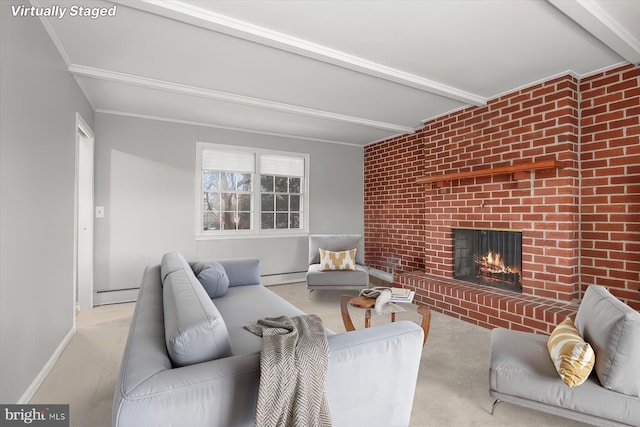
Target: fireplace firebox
[[488, 257]]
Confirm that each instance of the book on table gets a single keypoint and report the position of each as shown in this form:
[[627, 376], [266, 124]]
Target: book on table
[[400, 292], [405, 295]]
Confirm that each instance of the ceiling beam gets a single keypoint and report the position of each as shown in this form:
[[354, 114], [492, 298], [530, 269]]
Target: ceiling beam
[[146, 82], [591, 15], [210, 20]]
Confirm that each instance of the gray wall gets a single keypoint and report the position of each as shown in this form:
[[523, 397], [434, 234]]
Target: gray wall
[[38, 103], [145, 179]]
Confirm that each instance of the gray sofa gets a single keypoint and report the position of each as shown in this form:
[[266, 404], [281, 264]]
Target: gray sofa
[[336, 280], [188, 360], [522, 372]]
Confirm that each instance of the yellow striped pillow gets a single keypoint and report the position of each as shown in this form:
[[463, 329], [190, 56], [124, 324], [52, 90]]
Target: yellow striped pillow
[[343, 260], [571, 355]]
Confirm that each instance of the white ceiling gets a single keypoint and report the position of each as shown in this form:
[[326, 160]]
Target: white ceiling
[[350, 72]]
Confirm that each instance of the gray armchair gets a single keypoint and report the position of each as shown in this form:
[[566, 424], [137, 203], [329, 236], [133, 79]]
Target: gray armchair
[[340, 279]]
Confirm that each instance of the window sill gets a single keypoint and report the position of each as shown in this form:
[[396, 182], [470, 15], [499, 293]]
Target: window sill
[[251, 236]]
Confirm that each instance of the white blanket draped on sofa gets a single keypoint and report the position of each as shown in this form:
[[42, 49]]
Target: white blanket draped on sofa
[[293, 371]]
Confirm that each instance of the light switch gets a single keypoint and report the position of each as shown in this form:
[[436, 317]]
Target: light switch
[[99, 211]]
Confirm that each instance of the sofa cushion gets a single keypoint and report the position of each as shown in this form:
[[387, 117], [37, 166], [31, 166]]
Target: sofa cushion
[[571, 355], [242, 271], [613, 330], [341, 260], [213, 278], [194, 329], [245, 305]]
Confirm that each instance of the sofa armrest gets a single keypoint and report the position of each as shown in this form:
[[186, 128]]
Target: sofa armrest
[[218, 393], [372, 377], [373, 374]]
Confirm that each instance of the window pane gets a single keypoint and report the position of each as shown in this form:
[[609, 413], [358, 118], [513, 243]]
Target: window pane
[[268, 220], [236, 220], [211, 201], [244, 202], [266, 202], [229, 202], [228, 181], [294, 185], [281, 184], [282, 202], [244, 221], [210, 180], [294, 203], [211, 221], [282, 220], [294, 220], [243, 182], [266, 183]]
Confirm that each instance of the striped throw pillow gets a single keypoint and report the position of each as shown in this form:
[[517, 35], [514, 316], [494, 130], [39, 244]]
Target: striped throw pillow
[[571, 355], [342, 260]]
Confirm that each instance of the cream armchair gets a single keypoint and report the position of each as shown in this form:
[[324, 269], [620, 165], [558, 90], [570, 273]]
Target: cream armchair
[[338, 279]]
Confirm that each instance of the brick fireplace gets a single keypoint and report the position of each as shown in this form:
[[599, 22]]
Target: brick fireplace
[[579, 217], [488, 257]]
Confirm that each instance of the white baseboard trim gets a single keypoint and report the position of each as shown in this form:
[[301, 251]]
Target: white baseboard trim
[[281, 279], [46, 369]]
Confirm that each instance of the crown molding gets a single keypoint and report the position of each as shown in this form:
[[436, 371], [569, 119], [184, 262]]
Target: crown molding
[[591, 16], [52, 34], [210, 20], [222, 127], [146, 82]]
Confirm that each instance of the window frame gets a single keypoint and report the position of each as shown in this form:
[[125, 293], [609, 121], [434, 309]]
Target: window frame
[[256, 212]]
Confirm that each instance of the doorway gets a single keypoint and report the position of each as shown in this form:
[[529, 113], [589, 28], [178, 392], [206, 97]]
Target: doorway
[[83, 247]]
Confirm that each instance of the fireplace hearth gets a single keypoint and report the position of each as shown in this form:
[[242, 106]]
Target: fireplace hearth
[[488, 257]]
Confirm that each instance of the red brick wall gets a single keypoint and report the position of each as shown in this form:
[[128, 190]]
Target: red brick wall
[[535, 124], [610, 196], [565, 247], [394, 204]]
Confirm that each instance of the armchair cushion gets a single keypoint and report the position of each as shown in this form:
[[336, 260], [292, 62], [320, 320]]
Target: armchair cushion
[[319, 278], [357, 278], [335, 242], [613, 330]]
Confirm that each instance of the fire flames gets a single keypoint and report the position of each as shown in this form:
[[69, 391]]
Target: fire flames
[[493, 264]]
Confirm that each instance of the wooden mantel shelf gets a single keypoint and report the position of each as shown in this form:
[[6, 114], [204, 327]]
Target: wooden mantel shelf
[[502, 170]]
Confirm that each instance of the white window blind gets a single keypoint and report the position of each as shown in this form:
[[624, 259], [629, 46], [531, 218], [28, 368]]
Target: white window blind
[[232, 161], [281, 165]]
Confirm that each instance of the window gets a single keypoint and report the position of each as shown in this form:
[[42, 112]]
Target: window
[[281, 192], [248, 191]]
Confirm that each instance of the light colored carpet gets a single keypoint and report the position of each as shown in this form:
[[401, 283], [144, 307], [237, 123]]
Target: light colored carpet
[[452, 386], [85, 375]]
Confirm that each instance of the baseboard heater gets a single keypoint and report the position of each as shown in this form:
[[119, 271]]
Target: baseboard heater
[[115, 296], [283, 278]]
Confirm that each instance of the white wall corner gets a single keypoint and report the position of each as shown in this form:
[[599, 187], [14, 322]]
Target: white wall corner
[[46, 369]]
